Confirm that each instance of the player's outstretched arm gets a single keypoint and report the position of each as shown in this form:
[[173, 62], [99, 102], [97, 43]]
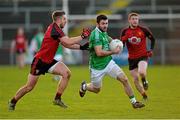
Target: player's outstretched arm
[[67, 41], [79, 47]]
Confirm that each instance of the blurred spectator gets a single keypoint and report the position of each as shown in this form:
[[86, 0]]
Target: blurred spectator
[[19, 46], [36, 41]]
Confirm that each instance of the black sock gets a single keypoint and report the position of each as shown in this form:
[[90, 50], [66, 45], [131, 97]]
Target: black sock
[[13, 100], [58, 96], [143, 79]]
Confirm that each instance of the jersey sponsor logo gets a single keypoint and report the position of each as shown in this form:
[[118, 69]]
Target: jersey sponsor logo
[[134, 40]]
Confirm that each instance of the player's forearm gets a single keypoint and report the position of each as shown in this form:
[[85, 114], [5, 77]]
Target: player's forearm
[[104, 53], [75, 46], [74, 40]]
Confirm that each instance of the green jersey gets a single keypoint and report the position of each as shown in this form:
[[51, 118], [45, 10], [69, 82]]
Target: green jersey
[[39, 38], [99, 38], [59, 50]]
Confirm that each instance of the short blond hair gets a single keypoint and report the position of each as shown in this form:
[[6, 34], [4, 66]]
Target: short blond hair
[[132, 14]]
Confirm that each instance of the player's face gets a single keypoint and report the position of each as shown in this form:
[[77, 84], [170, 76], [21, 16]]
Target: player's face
[[103, 25], [63, 21], [20, 31], [134, 21]]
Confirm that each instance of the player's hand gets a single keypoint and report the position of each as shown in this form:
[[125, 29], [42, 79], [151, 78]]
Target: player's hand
[[85, 33], [85, 46], [149, 53], [117, 50]]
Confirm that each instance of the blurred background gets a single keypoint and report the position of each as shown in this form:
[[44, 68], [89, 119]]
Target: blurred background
[[161, 16]]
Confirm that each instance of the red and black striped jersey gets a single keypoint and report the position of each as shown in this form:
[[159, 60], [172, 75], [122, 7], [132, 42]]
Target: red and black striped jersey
[[50, 43], [20, 41], [135, 40]]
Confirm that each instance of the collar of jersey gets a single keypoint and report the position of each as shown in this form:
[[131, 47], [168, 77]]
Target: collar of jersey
[[134, 28], [99, 30]]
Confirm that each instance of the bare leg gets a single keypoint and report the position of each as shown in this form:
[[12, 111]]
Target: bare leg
[[142, 67], [62, 69], [32, 80], [138, 85], [91, 88], [127, 87], [20, 60]]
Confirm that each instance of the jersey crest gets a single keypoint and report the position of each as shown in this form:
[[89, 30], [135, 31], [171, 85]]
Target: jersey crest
[[134, 40]]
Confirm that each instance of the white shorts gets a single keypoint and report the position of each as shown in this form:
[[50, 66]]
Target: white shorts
[[58, 57], [51, 69], [112, 69]]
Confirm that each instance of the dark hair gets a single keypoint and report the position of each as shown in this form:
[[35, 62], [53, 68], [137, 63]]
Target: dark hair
[[101, 17], [57, 13]]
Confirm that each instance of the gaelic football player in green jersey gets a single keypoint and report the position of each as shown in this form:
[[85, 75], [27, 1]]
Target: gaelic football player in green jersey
[[101, 62], [36, 41]]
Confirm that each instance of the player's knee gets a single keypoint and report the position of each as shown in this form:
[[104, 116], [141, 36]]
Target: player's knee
[[29, 88], [135, 78], [123, 79], [67, 74]]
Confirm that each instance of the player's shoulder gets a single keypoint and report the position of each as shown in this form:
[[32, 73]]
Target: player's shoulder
[[96, 32], [125, 28], [143, 27]]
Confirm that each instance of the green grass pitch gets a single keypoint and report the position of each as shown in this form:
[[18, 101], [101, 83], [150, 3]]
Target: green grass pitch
[[110, 103]]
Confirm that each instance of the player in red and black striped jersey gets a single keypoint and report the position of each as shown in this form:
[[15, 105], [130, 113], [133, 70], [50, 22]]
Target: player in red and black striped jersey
[[134, 37], [19, 46], [44, 59]]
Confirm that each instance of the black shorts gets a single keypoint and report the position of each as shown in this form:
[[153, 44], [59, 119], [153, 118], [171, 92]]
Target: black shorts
[[39, 67], [133, 63], [19, 51]]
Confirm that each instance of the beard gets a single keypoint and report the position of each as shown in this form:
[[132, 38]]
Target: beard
[[61, 26], [103, 29]]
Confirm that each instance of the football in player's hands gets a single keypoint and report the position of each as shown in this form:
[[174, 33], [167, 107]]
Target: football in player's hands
[[114, 43]]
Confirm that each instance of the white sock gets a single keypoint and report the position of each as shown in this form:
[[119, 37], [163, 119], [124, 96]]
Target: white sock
[[84, 87], [133, 100]]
